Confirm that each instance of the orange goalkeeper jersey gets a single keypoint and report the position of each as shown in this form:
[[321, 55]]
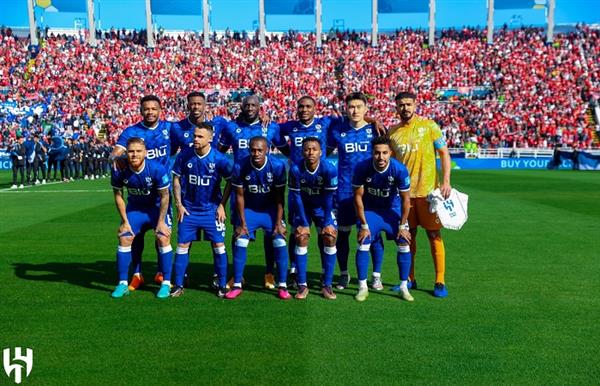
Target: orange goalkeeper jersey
[[415, 146]]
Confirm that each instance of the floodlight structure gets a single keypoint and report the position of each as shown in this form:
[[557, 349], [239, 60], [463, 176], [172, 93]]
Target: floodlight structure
[[91, 23], [32, 25], [431, 40], [318, 24], [205, 23], [149, 28], [261, 23]]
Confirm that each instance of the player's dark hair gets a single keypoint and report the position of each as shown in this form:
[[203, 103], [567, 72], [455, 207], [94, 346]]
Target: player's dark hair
[[310, 139], [381, 140], [406, 95], [148, 98], [136, 140], [195, 94], [356, 96], [205, 125], [258, 138], [307, 97]]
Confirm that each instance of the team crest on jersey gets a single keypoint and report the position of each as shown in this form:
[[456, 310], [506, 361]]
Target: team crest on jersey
[[295, 129], [189, 165], [125, 181], [368, 179], [390, 180], [211, 167], [270, 177], [369, 131], [247, 178], [149, 180], [343, 134], [238, 130], [166, 134], [319, 180], [186, 135], [318, 127], [303, 181], [421, 131]]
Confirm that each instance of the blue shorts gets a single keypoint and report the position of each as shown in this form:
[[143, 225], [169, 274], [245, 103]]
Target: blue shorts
[[144, 220], [383, 221], [187, 230], [259, 220], [346, 216], [316, 216]]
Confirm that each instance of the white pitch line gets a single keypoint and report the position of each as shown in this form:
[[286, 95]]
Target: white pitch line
[[30, 186], [15, 191]]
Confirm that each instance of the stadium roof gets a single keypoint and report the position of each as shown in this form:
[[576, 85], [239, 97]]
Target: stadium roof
[[296, 14]]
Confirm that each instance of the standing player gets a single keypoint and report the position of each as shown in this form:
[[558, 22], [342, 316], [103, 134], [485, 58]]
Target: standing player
[[147, 183], [156, 136], [201, 206], [295, 132], [415, 140], [237, 135], [352, 139], [312, 184], [378, 184], [259, 183], [182, 132]]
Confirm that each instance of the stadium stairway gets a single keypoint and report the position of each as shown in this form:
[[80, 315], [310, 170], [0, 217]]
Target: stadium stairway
[[590, 120]]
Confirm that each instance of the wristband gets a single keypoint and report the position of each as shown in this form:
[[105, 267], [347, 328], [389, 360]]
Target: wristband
[[364, 226], [404, 227]]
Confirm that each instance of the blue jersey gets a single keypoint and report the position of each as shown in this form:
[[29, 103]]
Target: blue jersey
[[143, 186], [353, 146], [313, 185], [381, 189], [157, 140], [182, 133], [202, 178], [296, 132], [259, 184], [238, 134]]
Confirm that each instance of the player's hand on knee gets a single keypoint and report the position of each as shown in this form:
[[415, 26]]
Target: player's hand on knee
[[125, 230], [329, 232], [363, 234], [404, 234], [241, 230], [162, 229], [280, 229], [301, 232]]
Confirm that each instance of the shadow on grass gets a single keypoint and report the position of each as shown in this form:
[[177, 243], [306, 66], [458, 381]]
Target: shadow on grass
[[101, 275]]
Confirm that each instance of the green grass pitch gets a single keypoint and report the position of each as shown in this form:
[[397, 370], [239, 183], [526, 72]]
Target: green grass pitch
[[523, 306]]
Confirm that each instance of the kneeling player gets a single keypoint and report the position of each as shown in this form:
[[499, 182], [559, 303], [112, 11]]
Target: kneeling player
[[259, 183], [202, 206], [379, 183], [147, 184], [312, 184]]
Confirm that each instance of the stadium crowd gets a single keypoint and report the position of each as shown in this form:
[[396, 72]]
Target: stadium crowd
[[539, 97]]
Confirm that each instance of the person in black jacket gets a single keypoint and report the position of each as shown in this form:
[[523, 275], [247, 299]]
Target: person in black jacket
[[18, 154], [39, 161]]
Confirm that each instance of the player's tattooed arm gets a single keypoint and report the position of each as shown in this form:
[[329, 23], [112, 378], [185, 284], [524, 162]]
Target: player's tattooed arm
[[121, 208], [363, 232], [118, 158], [241, 229], [161, 226], [181, 211]]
